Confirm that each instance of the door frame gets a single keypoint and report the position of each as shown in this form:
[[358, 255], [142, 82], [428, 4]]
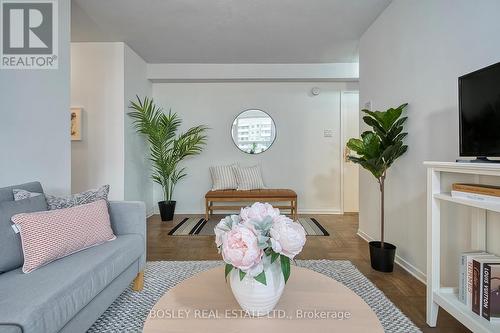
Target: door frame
[[342, 147]]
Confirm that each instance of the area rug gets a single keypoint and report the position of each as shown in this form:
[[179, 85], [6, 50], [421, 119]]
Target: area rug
[[202, 227], [129, 311]]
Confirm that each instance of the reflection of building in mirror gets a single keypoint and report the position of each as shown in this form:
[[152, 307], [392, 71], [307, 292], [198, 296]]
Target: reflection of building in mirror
[[253, 131]]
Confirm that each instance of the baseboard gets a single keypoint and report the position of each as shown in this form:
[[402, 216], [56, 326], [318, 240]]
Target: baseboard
[[151, 211], [301, 211], [404, 264], [320, 211]]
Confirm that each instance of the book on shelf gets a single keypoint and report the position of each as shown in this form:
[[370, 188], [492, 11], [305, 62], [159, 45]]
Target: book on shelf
[[477, 281], [466, 285], [491, 292], [465, 273], [475, 197], [489, 190]]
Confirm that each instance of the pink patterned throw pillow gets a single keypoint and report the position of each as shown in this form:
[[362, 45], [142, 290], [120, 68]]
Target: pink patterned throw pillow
[[50, 235]]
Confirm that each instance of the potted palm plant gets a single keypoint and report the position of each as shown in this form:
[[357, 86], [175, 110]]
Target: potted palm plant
[[167, 148], [376, 151]]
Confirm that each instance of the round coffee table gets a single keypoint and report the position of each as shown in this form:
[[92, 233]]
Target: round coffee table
[[311, 302]]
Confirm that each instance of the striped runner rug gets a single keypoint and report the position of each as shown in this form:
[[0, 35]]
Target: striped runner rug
[[200, 226]]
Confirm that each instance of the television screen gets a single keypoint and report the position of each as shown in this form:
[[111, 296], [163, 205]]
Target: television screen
[[479, 108]]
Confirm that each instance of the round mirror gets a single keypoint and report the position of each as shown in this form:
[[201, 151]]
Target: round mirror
[[253, 131]]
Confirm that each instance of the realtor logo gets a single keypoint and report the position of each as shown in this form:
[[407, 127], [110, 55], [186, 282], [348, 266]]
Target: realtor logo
[[28, 34]]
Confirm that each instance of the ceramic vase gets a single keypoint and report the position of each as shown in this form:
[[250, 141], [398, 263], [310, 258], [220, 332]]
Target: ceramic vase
[[254, 297]]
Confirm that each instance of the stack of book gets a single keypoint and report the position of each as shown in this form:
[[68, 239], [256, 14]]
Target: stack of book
[[486, 193], [479, 284]]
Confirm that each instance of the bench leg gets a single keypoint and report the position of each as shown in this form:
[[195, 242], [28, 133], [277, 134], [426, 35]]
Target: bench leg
[[138, 283], [295, 214], [207, 215]]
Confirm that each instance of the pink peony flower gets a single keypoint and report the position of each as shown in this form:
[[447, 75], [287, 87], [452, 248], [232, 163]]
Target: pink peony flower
[[224, 226], [258, 211], [287, 237], [240, 249]]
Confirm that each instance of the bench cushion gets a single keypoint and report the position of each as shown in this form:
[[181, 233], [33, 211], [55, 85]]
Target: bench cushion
[[267, 193]]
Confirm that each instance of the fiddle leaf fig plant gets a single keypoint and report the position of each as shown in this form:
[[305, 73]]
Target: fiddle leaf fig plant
[[380, 147]]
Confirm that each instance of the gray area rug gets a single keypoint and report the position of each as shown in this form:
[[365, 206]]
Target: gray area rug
[[200, 226], [129, 311]]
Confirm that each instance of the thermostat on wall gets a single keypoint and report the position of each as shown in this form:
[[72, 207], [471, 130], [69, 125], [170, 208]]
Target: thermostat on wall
[[368, 105]]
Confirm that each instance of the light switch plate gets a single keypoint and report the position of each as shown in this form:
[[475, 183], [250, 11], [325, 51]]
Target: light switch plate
[[328, 133]]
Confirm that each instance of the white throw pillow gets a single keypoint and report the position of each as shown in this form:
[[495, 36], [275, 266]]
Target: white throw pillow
[[249, 178], [223, 177]]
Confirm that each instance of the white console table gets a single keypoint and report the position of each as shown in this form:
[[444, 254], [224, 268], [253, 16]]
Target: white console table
[[445, 296]]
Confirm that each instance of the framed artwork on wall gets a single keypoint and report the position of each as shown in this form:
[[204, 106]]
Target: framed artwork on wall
[[76, 124]]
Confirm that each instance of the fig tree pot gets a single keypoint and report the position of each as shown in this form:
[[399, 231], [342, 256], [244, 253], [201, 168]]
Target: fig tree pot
[[167, 210], [382, 259]]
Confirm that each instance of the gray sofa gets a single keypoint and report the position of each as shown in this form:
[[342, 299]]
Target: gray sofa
[[69, 294]]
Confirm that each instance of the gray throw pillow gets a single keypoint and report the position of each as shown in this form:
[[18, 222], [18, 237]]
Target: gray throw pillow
[[82, 198], [10, 243]]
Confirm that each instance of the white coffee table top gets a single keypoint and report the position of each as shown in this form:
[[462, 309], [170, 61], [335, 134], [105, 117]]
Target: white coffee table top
[[311, 302]]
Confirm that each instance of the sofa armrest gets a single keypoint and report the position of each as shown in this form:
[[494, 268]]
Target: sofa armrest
[[129, 217]]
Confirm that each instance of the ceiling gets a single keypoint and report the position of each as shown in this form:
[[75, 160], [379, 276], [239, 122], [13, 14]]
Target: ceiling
[[229, 31]]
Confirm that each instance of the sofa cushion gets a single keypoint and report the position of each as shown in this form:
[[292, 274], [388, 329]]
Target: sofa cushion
[[46, 299], [7, 195], [10, 243]]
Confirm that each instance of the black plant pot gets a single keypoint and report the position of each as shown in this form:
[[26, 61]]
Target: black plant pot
[[167, 210], [382, 259]]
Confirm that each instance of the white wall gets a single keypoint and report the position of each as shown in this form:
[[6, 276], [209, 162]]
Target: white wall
[[261, 72], [414, 52], [34, 120], [97, 81], [138, 184], [104, 78], [300, 158]]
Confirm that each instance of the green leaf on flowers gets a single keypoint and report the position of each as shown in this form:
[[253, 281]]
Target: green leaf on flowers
[[242, 274], [227, 270], [285, 267], [261, 278], [268, 251], [263, 226], [274, 256], [228, 222]]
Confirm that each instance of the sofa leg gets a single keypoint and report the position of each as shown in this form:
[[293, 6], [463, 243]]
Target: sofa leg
[[138, 283]]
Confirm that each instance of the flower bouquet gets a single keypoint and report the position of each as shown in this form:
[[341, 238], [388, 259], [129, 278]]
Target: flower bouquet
[[257, 246]]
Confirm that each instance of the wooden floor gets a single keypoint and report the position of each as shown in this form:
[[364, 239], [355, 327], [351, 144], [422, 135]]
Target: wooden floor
[[400, 287]]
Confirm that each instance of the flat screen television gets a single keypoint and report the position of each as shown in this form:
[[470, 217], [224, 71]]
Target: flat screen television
[[479, 111]]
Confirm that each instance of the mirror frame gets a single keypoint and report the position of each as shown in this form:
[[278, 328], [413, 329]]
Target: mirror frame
[[273, 123]]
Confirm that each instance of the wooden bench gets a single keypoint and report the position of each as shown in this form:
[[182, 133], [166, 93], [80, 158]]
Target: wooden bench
[[248, 197]]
